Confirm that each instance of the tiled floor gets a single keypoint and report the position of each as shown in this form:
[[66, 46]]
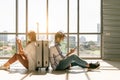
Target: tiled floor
[[109, 70]]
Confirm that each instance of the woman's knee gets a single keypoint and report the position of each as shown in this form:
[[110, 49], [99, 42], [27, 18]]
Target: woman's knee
[[18, 56]]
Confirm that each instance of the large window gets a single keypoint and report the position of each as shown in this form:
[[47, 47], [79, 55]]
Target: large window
[[78, 19]]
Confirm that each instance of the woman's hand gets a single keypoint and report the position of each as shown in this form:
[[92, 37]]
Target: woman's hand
[[18, 41], [20, 49]]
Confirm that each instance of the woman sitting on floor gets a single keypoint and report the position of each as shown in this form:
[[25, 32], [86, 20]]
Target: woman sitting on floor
[[25, 56]]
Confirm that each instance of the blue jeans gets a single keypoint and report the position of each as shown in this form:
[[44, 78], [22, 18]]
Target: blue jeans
[[72, 60]]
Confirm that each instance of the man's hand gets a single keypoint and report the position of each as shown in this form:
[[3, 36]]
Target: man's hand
[[71, 51]]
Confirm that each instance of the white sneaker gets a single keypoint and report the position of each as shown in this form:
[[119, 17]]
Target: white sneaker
[[4, 68]]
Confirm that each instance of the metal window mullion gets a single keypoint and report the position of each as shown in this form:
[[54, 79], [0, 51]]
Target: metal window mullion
[[16, 17], [102, 47], [26, 19], [51, 33], [47, 19], [78, 27], [16, 21], [68, 25]]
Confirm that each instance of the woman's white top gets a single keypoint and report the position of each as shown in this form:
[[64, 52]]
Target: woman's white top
[[30, 52]]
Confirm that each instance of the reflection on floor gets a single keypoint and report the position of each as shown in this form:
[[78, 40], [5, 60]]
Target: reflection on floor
[[109, 70]]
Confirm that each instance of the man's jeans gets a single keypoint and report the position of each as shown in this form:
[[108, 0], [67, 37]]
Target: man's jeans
[[72, 60]]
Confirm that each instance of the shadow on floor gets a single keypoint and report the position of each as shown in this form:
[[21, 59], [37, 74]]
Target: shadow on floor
[[115, 64], [21, 71]]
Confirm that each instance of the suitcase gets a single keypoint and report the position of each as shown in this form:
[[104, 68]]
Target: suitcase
[[42, 54]]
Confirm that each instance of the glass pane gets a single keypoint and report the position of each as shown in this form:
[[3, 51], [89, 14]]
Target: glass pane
[[73, 16], [7, 45], [37, 15], [7, 16], [73, 42], [57, 16], [22, 16], [90, 46], [89, 16], [64, 46], [42, 37], [51, 40]]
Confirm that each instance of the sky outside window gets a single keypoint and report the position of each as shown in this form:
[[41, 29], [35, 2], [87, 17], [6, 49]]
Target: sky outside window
[[37, 15], [89, 16], [57, 17], [7, 15]]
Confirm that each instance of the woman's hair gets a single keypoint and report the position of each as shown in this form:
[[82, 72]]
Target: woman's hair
[[59, 35], [32, 36]]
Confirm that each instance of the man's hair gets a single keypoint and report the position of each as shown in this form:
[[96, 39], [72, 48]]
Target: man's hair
[[59, 35]]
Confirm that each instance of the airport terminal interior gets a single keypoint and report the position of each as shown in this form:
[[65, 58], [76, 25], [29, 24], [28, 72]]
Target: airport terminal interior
[[91, 27]]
